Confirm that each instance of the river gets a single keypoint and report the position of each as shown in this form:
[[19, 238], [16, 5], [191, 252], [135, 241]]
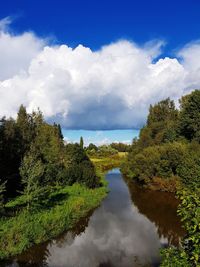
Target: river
[[127, 230]]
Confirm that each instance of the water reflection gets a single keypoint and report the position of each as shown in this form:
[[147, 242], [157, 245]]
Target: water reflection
[[126, 231], [160, 208]]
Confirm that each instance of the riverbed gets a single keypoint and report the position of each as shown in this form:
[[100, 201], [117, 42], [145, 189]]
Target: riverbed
[[127, 230]]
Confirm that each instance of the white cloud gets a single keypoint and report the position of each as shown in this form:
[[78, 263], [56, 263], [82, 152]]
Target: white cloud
[[106, 89], [16, 51]]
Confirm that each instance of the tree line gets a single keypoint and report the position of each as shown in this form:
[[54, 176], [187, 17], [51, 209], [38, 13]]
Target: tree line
[[166, 156], [106, 150], [34, 159], [168, 146]]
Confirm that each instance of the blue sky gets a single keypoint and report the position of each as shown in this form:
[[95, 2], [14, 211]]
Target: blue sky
[[96, 23], [100, 137], [96, 66]]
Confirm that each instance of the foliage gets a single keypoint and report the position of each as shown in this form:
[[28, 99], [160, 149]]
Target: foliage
[[121, 147], [161, 124], [102, 151], [189, 253], [2, 190], [33, 157], [79, 168], [172, 257], [189, 118], [163, 161], [48, 182], [163, 111], [110, 162], [189, 169], [30, 227], [91, 149], [189, 210], [32, 171], [167, 157], [162, 147], [81, 142], [10, 155]]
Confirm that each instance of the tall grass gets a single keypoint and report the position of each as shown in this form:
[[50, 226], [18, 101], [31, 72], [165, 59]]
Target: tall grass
[[33, 227], [106, 163], [66, 207]]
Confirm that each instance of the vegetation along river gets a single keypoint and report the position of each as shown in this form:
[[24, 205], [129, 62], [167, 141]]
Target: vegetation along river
[[128, 229]]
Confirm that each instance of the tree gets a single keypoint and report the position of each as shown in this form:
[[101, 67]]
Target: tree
[[10, 155], [106, 150], [50, 147], [25, 127], [32, 171], [162, 111], [92, 147], [189, 119], [121, 147], [49, 144], [81, 142], [161, 125], [58, 128], [60, 132], [79, 168]]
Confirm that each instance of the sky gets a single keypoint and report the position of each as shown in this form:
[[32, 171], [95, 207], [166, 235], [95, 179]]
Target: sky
[[100, 137], [96, 66]]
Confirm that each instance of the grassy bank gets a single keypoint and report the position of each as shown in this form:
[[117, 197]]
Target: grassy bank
[[106, 163], [24, 228], [27, 228]]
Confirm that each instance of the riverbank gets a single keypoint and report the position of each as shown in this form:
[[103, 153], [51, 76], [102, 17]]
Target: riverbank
[[69, 204], [104, 164], [113, 229], [27, 228]]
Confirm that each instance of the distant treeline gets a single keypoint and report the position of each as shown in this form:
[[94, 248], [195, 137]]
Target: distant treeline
[[166, 156], [34, 158], [106, 150]]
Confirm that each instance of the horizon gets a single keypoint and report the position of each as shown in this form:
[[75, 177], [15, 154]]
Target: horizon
[[103, 137]]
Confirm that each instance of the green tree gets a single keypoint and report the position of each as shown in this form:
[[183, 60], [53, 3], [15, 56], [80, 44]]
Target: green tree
[[161, 124], [48, 143], [32, 171], [162, 111], [81, 142], [58, 128], [92, 147], [106, 150], [121, 147], [10, 155], [25, 127], [79, 168], [189, 119]]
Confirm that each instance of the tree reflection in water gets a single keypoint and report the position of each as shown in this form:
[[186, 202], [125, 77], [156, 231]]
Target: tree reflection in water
[[161, 209]]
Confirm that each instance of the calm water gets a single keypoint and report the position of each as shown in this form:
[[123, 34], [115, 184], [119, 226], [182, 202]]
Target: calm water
[[127, 230]]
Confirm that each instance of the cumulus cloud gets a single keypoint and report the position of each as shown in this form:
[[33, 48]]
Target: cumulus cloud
[[16, 51], [111, 88]]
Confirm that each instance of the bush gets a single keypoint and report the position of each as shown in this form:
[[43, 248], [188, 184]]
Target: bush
[[156, 162], [188, 255]]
